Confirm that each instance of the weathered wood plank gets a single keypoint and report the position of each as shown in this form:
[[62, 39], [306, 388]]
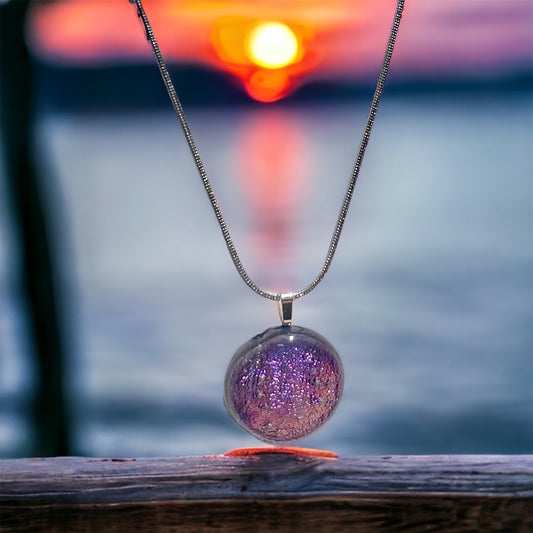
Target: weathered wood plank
[[268, 493]]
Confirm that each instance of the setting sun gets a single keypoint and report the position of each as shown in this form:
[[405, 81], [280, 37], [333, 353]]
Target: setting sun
[[272, 45]]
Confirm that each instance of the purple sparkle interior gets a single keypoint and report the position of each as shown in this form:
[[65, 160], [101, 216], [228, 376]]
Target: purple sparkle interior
[[283, 384]]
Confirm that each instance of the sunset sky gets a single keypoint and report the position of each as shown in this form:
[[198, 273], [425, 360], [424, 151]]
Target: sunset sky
[[338, 40]]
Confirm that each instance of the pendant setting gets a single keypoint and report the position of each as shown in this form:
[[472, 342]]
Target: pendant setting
[[284, 383]]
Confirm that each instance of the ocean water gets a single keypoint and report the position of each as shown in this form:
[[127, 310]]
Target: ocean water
[[428, 301]]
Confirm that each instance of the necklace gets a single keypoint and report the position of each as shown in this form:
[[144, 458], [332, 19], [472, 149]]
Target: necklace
[[286, 382]]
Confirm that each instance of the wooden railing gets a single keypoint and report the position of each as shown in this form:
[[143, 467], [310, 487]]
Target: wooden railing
[[270, 492]]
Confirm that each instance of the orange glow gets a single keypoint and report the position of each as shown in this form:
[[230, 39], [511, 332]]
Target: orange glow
[[340, 40], [267, 56], [272, 45], [267, 86], [308, 452], [221, 34]]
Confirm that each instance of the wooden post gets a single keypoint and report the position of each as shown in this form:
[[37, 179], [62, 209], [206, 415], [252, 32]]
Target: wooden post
[[35, 223], [271, 492]]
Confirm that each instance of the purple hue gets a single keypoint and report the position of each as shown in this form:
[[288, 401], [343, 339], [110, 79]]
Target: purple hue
[[283, 384]]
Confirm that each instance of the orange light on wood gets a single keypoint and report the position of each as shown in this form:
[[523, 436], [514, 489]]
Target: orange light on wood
[[308, 452]]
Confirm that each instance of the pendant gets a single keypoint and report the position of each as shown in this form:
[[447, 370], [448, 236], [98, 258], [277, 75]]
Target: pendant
[[284, 383]]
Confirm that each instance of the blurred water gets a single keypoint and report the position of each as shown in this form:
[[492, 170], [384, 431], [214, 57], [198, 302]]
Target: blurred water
[[428, 300]]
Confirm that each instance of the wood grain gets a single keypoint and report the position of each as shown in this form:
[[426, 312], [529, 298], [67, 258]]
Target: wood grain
[[268, 493]]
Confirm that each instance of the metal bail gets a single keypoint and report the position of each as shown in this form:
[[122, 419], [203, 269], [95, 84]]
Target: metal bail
[[285, 308]]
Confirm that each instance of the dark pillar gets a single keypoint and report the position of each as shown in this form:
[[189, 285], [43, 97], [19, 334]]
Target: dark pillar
[[37, 263]]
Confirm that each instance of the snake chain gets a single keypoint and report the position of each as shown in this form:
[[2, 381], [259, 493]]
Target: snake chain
[[207, 184]]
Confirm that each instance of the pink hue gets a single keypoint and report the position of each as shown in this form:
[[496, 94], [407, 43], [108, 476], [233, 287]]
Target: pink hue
[[344, 39], [283, 384]]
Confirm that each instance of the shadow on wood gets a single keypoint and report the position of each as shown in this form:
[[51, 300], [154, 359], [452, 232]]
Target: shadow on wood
[[268, 493]]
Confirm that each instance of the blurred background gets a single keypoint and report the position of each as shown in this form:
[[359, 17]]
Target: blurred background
[[119, 305]]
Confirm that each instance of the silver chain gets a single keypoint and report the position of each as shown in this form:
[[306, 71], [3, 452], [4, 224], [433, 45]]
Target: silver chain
[[207, 184]]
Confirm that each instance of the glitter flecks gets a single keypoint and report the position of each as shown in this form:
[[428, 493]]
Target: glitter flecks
[[283, 384]]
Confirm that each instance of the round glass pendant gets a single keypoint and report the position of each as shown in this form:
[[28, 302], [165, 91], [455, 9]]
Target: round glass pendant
[[283, 384]]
